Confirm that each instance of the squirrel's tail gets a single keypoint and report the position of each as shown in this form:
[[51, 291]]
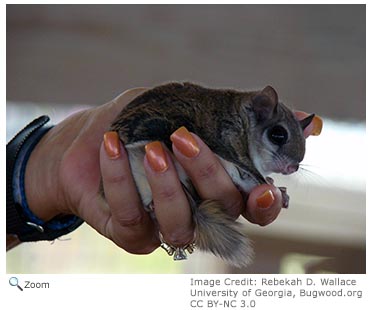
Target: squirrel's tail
[[218, 233]]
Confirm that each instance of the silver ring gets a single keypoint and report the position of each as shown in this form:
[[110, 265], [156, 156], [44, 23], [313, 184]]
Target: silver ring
[[178, 253]]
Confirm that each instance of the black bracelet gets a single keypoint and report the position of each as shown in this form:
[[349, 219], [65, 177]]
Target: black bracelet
[[19, 219]]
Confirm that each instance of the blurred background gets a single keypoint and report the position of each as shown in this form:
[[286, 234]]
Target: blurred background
[[62, 58]]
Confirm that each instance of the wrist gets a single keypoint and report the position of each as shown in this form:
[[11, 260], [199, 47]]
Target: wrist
[[41, 181], [22, 221]]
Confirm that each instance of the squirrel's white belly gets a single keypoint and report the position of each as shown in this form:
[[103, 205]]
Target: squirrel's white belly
[[136, 153]]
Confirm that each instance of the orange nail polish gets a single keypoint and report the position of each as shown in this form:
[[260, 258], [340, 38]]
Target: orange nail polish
[[156, 156], [185, 142], [317, 126], [266, 199], [112, 144]]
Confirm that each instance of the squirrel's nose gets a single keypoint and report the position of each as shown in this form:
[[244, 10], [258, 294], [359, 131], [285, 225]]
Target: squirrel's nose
[[292, 168]]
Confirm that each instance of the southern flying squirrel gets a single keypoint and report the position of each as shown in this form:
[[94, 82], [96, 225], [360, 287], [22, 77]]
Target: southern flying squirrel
[[252, 133]]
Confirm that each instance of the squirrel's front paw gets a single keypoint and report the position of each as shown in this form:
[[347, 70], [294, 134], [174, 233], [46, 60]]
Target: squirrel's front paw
[[285, 197]]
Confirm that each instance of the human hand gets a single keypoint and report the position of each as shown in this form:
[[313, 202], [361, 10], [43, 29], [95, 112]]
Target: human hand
[[64, 172]]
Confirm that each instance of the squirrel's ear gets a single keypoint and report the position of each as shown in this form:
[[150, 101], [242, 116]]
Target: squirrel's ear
[[306, 121], [271, 93], [264, 103]]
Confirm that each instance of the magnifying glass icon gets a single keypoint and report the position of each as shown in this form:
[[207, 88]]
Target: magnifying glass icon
[[13, 281]]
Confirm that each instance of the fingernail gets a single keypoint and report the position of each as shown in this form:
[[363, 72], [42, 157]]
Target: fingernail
[[112, 144], [266, 199], [185, 142], [317, 126], [156, 156]]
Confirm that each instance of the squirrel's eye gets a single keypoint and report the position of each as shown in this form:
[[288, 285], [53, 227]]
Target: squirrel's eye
[[278, 135]]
